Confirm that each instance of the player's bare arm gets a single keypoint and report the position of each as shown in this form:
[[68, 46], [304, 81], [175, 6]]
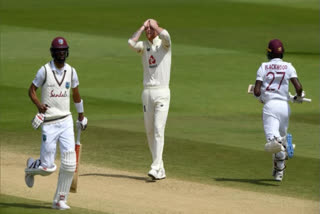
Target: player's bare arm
[[257, 88], [133, 40], [33, 96], [135, 37], [297, 85]]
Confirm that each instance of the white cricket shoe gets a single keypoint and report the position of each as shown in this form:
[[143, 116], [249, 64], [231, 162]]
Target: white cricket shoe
[[278, 175], [29, 179], [60, 205], [161, 174], [157, 174]]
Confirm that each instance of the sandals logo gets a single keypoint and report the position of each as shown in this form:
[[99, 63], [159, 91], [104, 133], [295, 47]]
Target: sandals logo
[[61, 94]]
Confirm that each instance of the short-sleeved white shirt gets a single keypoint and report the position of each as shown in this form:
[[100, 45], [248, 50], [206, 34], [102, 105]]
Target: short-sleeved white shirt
[[41, 75], [275, 75]]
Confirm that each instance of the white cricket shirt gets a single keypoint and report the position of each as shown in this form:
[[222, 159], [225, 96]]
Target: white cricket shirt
[[55, 88], [156, 59], [275, 75]]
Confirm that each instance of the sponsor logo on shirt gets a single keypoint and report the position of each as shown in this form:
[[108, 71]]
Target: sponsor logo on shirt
[[61, 94], [152, 62]]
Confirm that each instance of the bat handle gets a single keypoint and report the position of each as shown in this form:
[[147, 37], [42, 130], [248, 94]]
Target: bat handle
[[78, 135]]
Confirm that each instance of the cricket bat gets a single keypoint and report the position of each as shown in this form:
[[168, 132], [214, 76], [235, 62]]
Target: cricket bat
[[250, 89], [74, 184]]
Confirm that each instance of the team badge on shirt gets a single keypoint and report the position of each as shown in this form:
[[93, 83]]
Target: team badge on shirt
[[152, 62], [44, 138], [67, 85]]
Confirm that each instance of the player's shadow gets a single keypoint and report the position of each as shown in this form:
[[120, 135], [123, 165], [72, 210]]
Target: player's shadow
[[262, 182], [27, 206], [118, 176]]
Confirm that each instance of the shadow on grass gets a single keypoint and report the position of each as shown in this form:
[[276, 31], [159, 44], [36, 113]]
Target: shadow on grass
[[263, 182], [118, 176], [29, 206]]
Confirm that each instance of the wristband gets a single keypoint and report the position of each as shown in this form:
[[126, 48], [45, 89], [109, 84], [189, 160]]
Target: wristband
[[79, 107]]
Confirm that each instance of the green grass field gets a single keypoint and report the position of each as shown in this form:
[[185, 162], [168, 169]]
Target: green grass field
[[214, 132], [14, 205]]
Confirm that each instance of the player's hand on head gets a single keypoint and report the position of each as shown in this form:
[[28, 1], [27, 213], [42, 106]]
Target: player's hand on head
[[146, 23], [153, 23], [82, 123]]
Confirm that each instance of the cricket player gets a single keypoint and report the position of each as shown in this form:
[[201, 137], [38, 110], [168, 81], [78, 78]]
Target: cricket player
[[56, 78], [272, 89], [156, 61]]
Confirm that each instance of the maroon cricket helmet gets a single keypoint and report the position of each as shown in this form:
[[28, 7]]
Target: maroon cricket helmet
[[275, 46], [59, 49], [59, 43]]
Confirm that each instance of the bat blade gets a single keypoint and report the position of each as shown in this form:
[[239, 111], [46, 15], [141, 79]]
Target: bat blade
[[74, 184]]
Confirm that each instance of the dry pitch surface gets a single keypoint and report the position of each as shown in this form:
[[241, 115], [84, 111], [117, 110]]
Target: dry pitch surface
[[115, 191]]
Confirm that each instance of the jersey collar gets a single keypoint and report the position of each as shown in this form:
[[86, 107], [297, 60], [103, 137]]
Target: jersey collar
[[54, 68], [276, 60], [155, 41]]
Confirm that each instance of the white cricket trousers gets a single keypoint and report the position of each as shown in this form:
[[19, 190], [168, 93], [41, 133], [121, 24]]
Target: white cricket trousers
[[276, 118], [156, 101], [53, 132]]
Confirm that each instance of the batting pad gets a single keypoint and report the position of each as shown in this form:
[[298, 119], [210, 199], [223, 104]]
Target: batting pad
[[274, 146], [67, 168]]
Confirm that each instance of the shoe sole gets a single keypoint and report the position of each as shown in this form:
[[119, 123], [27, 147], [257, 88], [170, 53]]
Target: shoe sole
[[154, 178], [26, 175], [58, 208], [290, 149], [161, 178]]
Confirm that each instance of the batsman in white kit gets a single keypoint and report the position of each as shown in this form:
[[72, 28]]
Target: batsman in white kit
[[56, 78], [156, 60], [272, 89]]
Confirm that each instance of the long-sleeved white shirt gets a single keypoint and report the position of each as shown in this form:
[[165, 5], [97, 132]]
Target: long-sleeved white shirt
[[156, 59]]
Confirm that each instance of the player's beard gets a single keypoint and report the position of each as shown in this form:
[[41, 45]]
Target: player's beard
[[60, 57]]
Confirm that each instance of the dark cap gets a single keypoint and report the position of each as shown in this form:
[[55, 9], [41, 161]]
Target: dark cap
[[275, 46], [59, 43]]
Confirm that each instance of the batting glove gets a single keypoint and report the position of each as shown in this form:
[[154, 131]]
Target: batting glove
[[299, 99], [37, 120], [83, 123]]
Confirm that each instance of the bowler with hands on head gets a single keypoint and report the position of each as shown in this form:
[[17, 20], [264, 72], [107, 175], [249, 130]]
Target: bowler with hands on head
[[156, 61]]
